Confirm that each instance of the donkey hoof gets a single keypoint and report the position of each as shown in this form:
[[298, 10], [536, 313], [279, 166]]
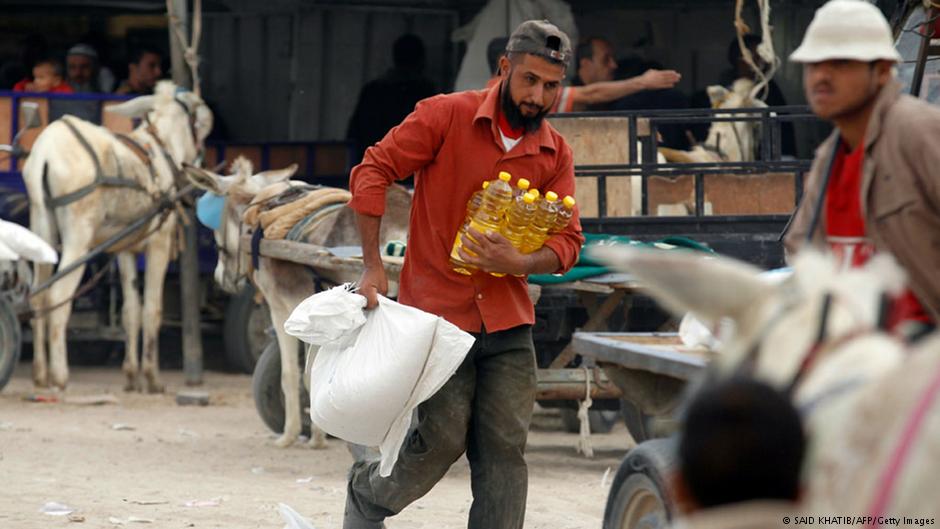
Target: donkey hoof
[[155, 387], [285, 440], [318, 442]]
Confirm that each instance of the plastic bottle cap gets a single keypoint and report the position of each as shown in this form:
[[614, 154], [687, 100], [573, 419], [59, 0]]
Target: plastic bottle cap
[[522, 184], [528, 198], [551, 196], [504, 176], [534, 192], [486, 184], [569, 201]]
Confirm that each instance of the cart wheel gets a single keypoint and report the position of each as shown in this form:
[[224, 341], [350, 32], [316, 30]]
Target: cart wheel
[[601, 421], [266, 386], [9, 341], [245, 330], [638, 497]]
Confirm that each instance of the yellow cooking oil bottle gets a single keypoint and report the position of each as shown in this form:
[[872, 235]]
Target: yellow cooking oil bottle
[[487, 217], [472, 206], [542, 221], [518, 217], [564, 210], [522, 187]]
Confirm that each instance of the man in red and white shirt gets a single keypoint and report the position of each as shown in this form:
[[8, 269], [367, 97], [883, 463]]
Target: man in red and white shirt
[[452, 144]]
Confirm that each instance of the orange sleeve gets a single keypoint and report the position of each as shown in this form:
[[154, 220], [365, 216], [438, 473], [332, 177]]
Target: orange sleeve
[[404, 150]]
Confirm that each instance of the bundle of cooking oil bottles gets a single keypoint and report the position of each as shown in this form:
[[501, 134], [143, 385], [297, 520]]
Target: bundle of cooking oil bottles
[[520, 214]]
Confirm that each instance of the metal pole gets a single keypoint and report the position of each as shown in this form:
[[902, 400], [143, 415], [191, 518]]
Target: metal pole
[[189, 256], [926, 34], [190, 298]]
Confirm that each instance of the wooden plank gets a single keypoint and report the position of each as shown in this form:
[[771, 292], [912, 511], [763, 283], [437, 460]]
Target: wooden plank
[[671, 197], [624, 196], [596, 141], [330, 160], [570, 384], [585, 193], [6, 122], [115, 122], [28, 138], [763, 194], [280, 156], [318, 257], [252, 152]]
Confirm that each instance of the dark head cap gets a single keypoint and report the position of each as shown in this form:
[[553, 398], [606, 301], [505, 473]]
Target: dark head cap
[[542, 38]]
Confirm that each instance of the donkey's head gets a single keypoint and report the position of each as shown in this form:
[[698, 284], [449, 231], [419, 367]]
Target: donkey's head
[[775, 324], [236, 191], [734, 141], [179, 119]]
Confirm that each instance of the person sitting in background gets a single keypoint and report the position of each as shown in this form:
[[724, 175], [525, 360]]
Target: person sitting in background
[[47, 77], [741, 448], [386, 101], [143, 71], [81, 64]]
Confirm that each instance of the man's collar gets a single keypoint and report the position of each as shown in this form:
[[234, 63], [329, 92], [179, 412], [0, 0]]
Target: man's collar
[[532, 140], [890, 93]]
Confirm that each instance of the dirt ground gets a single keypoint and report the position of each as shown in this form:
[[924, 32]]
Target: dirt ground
[[147, 458]]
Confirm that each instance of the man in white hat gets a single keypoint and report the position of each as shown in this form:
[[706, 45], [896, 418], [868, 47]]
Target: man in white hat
[[874, 185]]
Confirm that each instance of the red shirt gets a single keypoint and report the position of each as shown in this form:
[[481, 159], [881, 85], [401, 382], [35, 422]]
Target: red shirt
[[61, 88], [845, 228], [452, 145]]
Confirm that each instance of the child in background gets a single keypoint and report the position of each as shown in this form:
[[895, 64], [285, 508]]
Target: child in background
[[47, 77]]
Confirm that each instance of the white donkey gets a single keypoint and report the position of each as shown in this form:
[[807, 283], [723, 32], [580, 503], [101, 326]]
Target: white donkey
[[285, 284], [815, 333], [85, 184]]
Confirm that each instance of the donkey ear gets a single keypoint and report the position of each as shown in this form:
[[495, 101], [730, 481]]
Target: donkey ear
[[274, 176], [711, 287], [135, 108], [207, 180]]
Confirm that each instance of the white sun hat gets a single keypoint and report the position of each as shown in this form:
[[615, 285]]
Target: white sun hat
[[847, 29]]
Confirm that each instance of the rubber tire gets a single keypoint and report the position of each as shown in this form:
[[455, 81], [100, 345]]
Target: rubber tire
[[244, 330], [10, 341], [266, 387], [601, 421], [639, 498]]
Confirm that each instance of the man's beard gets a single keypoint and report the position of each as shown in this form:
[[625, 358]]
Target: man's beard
[[514, 115]]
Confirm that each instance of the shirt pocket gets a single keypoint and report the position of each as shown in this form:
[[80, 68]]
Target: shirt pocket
[[889, 204]]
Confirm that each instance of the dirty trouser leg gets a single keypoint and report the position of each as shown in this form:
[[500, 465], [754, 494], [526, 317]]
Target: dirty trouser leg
[[432, 446], [502, 411]]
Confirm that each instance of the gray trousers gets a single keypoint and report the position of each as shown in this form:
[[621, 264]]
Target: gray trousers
[[483, 410]]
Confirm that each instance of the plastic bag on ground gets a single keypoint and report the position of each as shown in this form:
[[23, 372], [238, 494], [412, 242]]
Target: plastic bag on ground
[[292, 518], [367, 380]]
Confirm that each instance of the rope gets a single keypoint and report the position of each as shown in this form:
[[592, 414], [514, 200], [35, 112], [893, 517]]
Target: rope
[[765, 49], [584, 440], [191, 48]]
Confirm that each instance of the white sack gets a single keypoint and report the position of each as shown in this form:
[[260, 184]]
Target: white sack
[[6, 254], [374, 367], [25, 244]]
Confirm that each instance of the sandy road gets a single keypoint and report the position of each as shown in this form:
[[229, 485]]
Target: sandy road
[[146, 457]]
